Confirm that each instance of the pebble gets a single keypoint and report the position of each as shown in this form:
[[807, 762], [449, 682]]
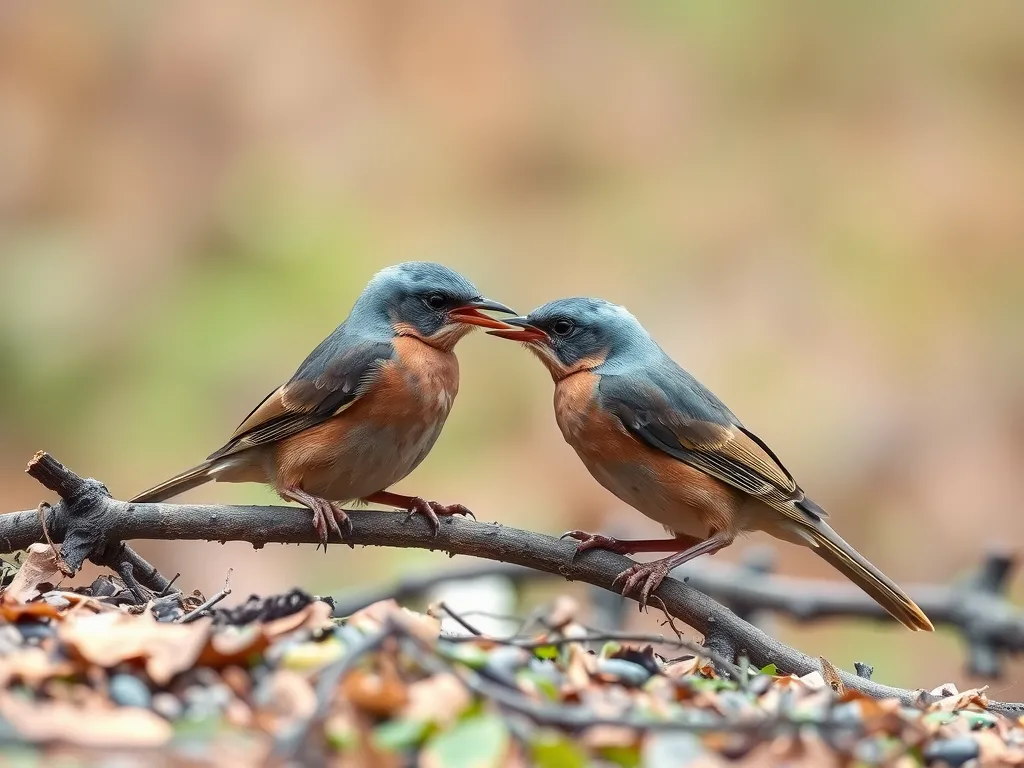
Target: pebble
[[129, 691], [503, 664], [954, 752], [34, 630], [167, 706], [627, 673], [760, 684]]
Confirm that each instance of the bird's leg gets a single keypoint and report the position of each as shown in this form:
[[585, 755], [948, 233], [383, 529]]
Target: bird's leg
[[629, 546], [416, 505], [326, 514], [643, 578]]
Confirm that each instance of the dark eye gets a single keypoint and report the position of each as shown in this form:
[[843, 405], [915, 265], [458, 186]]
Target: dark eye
[[436, 301], [562, 327]]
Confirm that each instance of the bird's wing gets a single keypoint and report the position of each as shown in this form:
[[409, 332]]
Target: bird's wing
[[330, 380], [678, 416]]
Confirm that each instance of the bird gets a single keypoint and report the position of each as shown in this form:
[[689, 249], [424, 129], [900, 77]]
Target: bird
[[663, 443], [363, 409]]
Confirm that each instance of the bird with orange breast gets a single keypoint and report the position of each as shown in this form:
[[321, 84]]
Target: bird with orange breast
[[651, 434], [364, 409]]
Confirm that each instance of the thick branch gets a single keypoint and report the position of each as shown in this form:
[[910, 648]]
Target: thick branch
[[110, 521]]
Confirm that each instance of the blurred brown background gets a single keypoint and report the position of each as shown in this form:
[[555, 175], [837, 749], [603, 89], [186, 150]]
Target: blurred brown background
[[816, 208]]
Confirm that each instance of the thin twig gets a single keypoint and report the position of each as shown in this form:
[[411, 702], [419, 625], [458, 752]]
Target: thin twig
[[459, 619], [170, 584], [204, 609], [57, 559]]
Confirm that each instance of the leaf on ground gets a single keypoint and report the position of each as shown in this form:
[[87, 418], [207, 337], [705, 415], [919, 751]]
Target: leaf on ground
[[401, 734], [39, 567], [557, 751], [291, 698], [440, 699], [107, 639], [477, 742], [373, 617], [974, 698], [61, 722], [11, 610], [831, 677], [316, 615], [381, 693], [32, 666]]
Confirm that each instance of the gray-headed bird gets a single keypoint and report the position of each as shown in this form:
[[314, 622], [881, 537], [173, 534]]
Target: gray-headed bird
[[364, 409], [651, 434]]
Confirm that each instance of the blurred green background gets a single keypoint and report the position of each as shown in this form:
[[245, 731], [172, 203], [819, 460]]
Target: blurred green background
[[817, 208]]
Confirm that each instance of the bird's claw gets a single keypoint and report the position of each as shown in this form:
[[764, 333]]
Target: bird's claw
[[640, 581], [329, 516], [432, 510], [594, 541]]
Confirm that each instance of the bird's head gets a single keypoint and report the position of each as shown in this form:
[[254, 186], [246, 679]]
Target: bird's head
[[579, 334], [427, 301]]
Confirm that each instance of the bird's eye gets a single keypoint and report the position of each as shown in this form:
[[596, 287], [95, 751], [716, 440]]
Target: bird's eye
[[562, 327], [436, 301]]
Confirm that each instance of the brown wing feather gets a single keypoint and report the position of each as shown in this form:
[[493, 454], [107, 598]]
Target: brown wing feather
[[318, 391], [738, 445], [725, 450]]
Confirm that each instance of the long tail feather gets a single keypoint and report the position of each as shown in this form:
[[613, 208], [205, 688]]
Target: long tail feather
[[857, 569], [190, 478]]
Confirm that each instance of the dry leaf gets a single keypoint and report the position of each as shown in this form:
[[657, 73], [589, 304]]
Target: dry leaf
[[40, 567], [55, 721], [831, 677], [292, 698], [971, 699], [107, 639], [440, 699], [316, 615], [564, 610], [33, 666], [381, 694], [12, 610]]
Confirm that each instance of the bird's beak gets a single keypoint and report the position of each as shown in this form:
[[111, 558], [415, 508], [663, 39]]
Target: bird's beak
[[522, 331], [470, 314]]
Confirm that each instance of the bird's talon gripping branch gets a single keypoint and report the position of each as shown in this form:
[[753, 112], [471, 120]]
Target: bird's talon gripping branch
[[432, 510], [641, 580], [595, 541]]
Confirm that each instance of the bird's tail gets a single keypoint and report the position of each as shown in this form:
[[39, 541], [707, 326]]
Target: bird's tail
[[187, 480], [849, 562]]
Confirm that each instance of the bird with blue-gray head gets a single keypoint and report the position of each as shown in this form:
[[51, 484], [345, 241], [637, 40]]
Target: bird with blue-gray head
[[364, 408], [654, 436]]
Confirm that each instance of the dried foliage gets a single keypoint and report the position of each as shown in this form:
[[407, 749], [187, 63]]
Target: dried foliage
[[278, 680]]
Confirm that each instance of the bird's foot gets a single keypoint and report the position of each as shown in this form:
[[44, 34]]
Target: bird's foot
[[642, 579], [328, 516], [597, 541], [432, 510]]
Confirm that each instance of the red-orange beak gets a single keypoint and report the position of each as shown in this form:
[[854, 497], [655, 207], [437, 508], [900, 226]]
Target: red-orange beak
[[470, 314], [521, 331]]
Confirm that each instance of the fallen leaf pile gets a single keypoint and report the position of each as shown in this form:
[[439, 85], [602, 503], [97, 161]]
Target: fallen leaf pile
[[83, 679]]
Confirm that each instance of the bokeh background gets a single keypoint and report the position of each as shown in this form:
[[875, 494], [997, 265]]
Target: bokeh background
[[817, 208]]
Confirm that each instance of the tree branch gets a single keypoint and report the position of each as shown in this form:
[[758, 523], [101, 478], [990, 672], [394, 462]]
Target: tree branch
[[88, 522]]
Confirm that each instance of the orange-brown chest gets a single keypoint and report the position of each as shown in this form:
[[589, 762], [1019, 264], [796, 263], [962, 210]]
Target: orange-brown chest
[[417, 386], [683, 499]]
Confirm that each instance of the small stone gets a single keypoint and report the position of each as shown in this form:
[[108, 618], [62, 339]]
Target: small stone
[[57, 600], [34, 630], [503, 664], [129, 691], [627, 673], [954, 752], [167, 706], [760, 684]]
